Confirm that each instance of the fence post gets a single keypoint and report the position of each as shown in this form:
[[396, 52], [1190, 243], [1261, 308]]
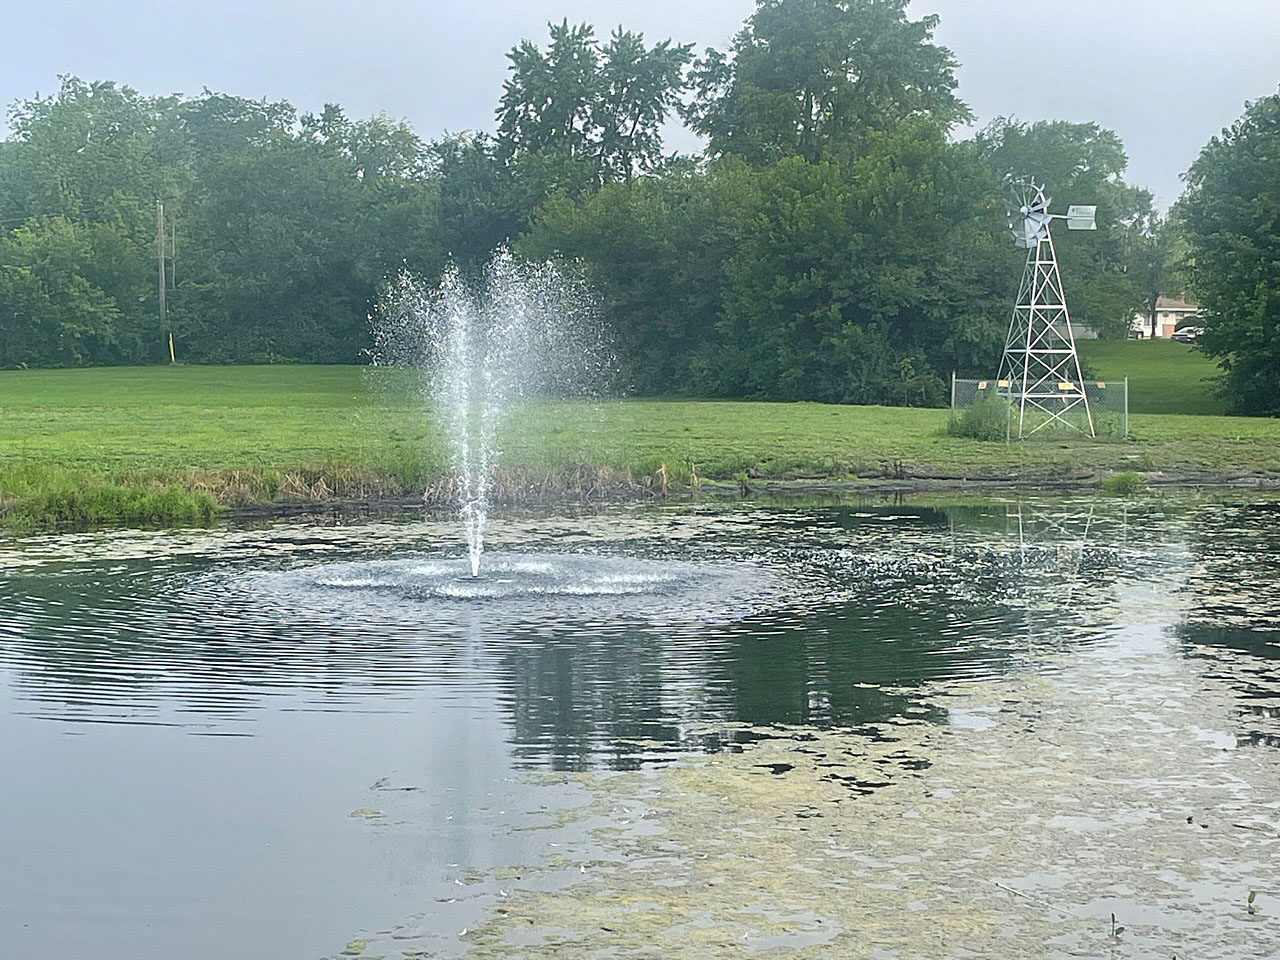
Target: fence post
[[1126, 408], [953, 389]]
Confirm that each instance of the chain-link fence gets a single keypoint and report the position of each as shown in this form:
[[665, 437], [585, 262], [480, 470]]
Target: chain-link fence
[[994, 409]]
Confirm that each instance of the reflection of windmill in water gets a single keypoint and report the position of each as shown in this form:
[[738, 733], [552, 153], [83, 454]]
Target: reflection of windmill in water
[[1054, 541], [1040, 369], [1042, 551]]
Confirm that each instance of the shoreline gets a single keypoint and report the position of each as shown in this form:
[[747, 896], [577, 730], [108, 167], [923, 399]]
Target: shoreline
[[87, 502], [775, 487]]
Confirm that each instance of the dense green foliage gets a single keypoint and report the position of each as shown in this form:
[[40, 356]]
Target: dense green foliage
[[47, 496], [1124, 484], [833, 242], [1231, 218], [809, 78], [284, 225], [582, 113], [859, 279]]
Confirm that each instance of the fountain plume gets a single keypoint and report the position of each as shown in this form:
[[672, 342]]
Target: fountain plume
[[526, 330]]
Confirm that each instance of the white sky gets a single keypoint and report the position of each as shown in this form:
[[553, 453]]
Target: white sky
[[1165, 74]]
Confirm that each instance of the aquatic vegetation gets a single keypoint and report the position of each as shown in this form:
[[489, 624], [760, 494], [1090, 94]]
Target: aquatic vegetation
[[1122, 484], [40, 497], [921, 840]]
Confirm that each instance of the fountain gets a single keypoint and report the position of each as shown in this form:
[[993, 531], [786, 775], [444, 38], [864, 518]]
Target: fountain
[[523, 333], [527, 329]]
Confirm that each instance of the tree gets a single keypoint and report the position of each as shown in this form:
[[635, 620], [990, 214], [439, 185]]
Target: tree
[[639, 88], [376, 148], [865, 280], [290, 238], [1158, 249], [482, 204], [594, 111], [1231, 217], [50, 313], [96, 157], [398, 199], [808, 76], [219, 124], [83, 151], [655, 248], [286, 225]]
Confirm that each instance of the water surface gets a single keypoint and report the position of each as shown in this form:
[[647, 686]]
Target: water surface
[[251, 742]]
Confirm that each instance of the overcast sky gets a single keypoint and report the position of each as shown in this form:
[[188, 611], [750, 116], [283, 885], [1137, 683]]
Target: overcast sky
[[1165, 74]]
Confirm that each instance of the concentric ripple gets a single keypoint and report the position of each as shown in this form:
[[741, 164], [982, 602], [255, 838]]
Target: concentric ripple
[[526, 587]]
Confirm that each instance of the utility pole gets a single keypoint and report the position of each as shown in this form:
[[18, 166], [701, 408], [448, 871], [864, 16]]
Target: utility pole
[[160, 262], [164, 313]]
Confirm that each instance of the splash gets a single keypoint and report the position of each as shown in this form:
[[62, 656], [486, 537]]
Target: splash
[[526, 330]]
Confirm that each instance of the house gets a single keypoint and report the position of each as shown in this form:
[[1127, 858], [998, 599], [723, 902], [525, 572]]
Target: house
[[1171, 313]]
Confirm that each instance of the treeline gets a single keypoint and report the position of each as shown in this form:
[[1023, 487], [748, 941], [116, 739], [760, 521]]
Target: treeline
[[1229, 223], [833, 242]]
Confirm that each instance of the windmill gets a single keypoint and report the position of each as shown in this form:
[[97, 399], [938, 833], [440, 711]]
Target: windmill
[[1040, 369]]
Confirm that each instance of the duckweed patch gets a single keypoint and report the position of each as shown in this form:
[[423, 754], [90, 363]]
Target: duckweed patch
[[1015, 838]]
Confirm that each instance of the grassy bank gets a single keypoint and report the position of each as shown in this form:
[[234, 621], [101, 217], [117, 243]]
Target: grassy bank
[[163, 443], [1164, 376]]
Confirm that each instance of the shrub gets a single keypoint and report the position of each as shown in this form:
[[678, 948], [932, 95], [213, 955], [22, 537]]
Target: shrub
[[1122, 484], [987, 418], [1109, 425], [39, 498]]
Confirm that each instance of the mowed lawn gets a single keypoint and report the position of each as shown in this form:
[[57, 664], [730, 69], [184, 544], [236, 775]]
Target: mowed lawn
[[179, 417], [1164, 376], [143, 424]]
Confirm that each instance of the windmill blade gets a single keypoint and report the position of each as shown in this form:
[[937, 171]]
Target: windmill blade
[[1036, 227], [1029, 236], [1016, 226], [1082, 217]]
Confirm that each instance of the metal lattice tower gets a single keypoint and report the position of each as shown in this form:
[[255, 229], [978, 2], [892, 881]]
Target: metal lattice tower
[[1040, 370]]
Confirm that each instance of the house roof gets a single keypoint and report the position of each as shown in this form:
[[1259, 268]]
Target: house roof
[[1175, 303]]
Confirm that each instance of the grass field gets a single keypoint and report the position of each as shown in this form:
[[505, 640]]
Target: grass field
[[1164, 377], [107, 443]]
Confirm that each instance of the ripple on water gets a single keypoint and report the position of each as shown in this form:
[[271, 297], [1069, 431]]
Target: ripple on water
[[660, 617], [812, 656], [529, 586]]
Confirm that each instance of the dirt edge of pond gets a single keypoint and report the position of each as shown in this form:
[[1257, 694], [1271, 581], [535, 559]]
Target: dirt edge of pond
[[550, 491]]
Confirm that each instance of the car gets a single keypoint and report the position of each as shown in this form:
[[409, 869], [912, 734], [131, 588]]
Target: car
[[1186, 334]]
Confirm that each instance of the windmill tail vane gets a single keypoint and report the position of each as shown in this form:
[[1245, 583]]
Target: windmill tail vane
[[1040, 369]]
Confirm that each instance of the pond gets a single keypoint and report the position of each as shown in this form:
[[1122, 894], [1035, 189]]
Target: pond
[[859, 729]]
